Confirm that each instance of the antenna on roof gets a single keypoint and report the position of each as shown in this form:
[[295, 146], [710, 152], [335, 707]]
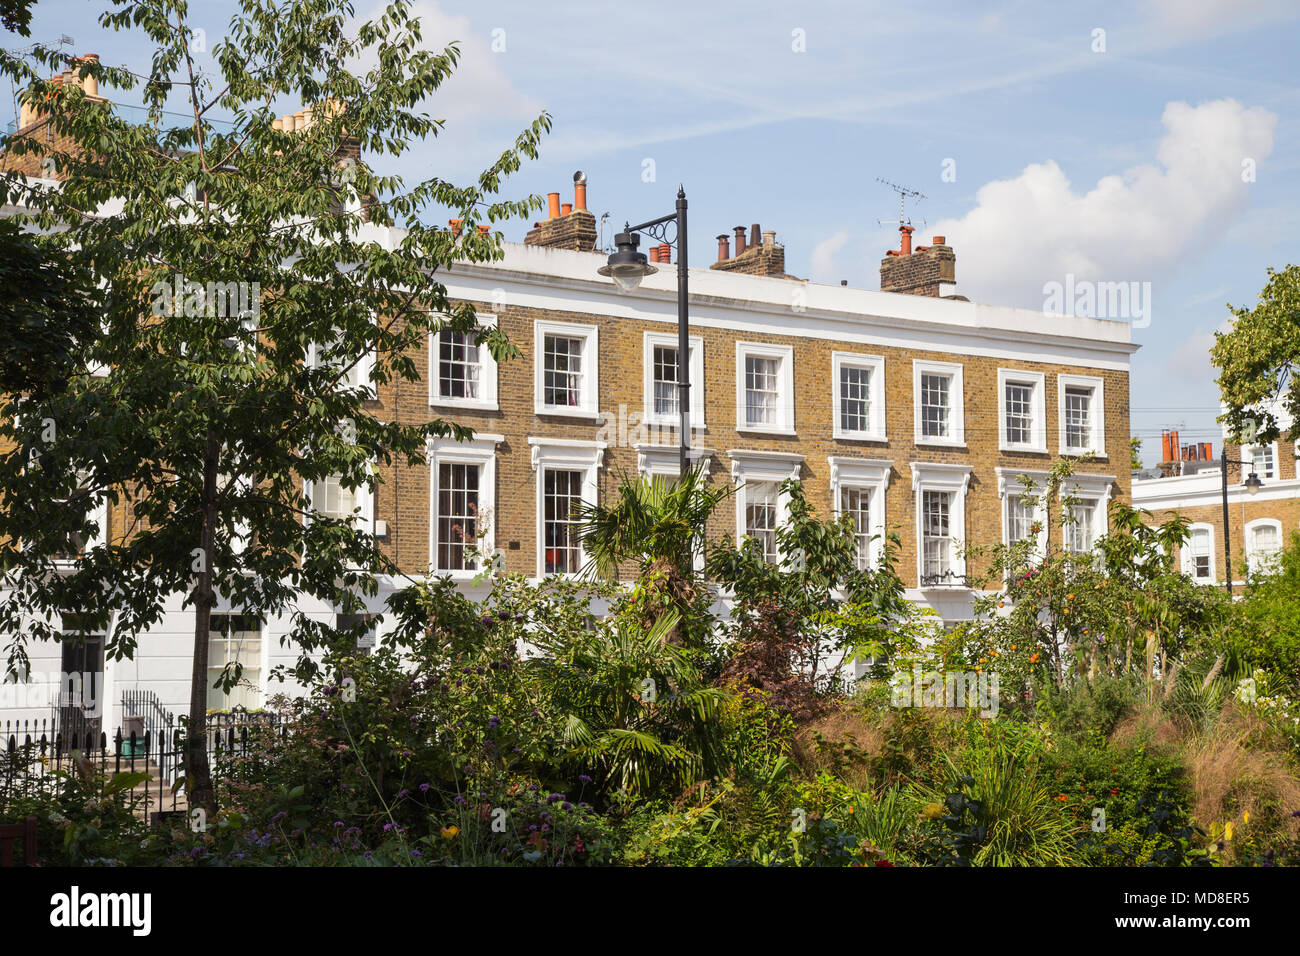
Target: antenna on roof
[[903, 193]]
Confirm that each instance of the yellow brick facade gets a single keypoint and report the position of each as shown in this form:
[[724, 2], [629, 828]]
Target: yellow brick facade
[[404, 497]]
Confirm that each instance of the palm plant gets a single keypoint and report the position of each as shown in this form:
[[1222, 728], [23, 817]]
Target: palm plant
[[636, 710], [657, 524], [1021, 823]]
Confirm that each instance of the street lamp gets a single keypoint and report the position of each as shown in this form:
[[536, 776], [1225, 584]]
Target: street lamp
[[627, 268], [1252, 485]]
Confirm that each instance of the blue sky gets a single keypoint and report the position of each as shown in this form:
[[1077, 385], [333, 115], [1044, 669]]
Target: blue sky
[[1115, 156]]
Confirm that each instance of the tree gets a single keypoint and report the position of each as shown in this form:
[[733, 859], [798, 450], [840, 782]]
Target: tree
[[795, 625], [1258, 359], [659, 525], [49, 314], [250, 314], [16, 16]]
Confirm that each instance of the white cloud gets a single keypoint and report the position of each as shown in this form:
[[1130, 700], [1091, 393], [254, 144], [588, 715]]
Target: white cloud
[[1134, 226], [823, 256]]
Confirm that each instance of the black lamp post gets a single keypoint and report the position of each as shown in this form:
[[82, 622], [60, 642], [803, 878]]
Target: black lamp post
[[1253, 484], [627, 268]]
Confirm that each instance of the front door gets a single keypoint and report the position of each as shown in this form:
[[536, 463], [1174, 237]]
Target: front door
[[81, 688]]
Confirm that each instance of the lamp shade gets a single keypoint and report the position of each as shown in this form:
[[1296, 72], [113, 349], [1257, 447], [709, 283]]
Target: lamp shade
[[626, 266]]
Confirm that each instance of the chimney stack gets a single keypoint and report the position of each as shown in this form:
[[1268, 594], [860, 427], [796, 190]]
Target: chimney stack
[[568, 225], [724, 248], [754, 237], [740, 239], [665, 252], [925, 270]]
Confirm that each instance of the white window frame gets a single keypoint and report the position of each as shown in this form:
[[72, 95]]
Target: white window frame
[[763, 466], [364, 369], [1010, 486], [1096, 409], [955, 480], [487, 400], [785, 388], [651, 340], [1038, 405], [1248, 455], [956, 437], [1253, 557], [875, 430], [365, 520], [589, 406], [564, 455], [481, 451], [1089, 489], [98, 515], [664, 460], [1185, 553], [870, 475], [263, 662]]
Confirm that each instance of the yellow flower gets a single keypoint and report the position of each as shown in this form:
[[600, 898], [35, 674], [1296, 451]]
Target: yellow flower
[[449, 832], [932, 811], [1246, 817], [1227, 831]]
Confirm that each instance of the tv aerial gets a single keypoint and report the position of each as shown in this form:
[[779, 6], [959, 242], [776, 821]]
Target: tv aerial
[[904, 193]]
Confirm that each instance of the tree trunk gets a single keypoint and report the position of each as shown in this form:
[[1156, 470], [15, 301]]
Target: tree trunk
[[198, 774]]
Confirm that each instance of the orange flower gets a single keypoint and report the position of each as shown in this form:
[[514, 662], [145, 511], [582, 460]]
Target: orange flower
[[449, 832]]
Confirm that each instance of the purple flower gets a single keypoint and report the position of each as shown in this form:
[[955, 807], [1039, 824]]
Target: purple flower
[[424, 788], [403, 793], [583, 778], [460, 801]]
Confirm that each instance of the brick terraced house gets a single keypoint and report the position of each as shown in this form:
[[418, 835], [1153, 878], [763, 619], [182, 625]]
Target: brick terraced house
[[1189, 482], [910, 408]]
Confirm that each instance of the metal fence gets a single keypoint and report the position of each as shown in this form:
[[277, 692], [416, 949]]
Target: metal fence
[[39, 756]]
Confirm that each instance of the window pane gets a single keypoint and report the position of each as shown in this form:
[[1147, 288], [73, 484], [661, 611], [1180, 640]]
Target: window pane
[[934, 406], [235, 639], [761, 392], [561, 491], [1078, 418], [1020, 413], [936, 541], [1262, 460], [334, 501], [664, 376], [1020, 519], [457, 517], [760, 516], [856, 503], [459, 366], [562, 371], [1199, 547], [855, 399], [1078, 533]]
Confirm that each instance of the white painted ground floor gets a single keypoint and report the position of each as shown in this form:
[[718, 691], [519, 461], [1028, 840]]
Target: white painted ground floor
[[81, 676]]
